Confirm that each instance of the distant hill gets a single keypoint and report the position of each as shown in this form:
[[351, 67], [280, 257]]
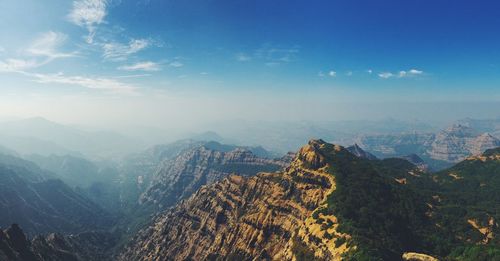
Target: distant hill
[[439, 151], [31, 197], [41, 136]]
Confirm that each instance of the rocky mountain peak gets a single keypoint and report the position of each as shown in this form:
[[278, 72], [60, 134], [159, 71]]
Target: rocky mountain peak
[[312, 154]]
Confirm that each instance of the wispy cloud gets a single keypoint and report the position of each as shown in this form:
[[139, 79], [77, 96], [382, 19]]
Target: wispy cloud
[[47, 45], [141, 66], [119, 52], [133, 76], [401, 74], [176, 64], [17, 65], [88, 14], [99, 83], [332, 73], [349, 73], [41, 51]]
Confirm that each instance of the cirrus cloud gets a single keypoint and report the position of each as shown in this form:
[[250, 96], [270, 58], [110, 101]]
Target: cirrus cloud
[[119, 52]]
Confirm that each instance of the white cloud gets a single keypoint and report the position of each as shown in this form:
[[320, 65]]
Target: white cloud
[[142, 66], [204, 73], [47, 44], [88, 14], [17, 65], [401, 74], [369, 71], [176, 64], [415, 72], [241, 57], [119, 52], [385, 75], [105, 84], [332, 73], [349, 73]]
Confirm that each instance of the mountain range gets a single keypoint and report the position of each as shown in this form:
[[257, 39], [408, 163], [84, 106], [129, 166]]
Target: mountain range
[[204, 200], [330, 204], [440, 150]]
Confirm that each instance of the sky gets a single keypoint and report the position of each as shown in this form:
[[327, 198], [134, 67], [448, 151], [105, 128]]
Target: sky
[[186, 62]]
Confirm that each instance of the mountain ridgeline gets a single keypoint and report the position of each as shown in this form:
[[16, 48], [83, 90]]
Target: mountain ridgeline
[[329, 204]]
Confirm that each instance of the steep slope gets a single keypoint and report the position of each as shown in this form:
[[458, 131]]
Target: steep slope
[[236, 217], [40, 204], [180, 177], [89, 246]]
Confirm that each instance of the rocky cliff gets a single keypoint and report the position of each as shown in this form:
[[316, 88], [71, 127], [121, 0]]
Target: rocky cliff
[[183, 175]]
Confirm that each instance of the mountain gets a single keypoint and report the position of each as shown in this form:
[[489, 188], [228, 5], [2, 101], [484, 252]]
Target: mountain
[[439, 151], [358, 151], [44, 137], [458, 142], [89, 246], [31, 197], [330, 204], [205, 163], [74, 171], [391, 145], [482, 125]]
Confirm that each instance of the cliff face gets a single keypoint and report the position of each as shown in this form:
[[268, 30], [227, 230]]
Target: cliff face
[[458, 142], [180, 177], [262, 216]]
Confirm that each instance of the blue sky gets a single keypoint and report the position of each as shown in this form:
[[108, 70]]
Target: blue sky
[[190, 51]]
